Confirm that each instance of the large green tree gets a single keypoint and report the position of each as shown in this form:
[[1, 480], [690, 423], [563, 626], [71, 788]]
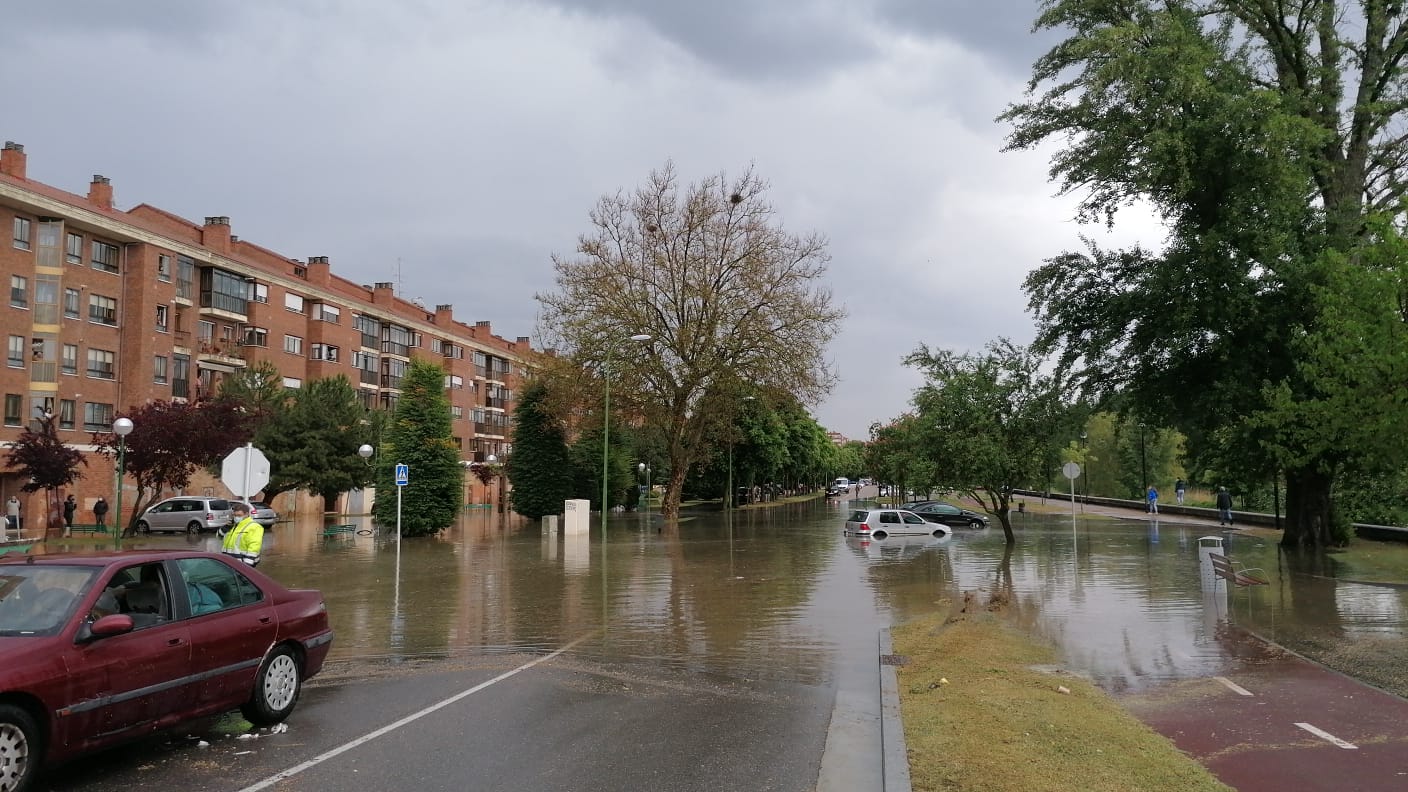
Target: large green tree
[[45, 463], [724, 292], [540, 467], [1267, 135], [420, 436], [989, 423]]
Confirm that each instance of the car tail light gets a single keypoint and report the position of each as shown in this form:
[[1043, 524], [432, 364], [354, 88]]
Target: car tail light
[[210, 517], [865, 527]]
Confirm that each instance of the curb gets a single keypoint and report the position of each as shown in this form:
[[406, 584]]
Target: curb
[[894, 759]]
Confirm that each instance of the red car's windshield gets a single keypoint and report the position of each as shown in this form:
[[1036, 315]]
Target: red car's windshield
[[37, 599]]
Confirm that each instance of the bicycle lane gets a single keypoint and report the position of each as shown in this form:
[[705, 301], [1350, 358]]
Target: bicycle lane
[[1281, 722]]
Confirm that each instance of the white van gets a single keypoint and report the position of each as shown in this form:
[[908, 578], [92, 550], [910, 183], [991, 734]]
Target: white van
[[842, 483]]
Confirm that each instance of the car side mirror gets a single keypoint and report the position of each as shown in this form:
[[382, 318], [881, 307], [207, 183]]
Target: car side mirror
[[112, 624]]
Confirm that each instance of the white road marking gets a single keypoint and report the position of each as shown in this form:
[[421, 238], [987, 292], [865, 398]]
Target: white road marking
[[1327, 737], [1233, 686], [415, 716]]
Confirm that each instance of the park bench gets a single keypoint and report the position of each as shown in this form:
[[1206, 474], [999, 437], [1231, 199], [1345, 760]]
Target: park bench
[[339, 530], [89, 528], [1230, 570]]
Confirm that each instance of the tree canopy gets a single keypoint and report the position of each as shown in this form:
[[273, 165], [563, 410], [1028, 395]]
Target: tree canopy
[[1268, 138], [725, 293], [420, 436]]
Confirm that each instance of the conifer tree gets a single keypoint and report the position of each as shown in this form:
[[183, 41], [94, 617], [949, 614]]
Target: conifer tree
[[419, 436]]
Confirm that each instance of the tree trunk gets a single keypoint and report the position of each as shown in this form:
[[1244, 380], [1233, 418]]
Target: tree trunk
[[1308, 510], [670, 505]]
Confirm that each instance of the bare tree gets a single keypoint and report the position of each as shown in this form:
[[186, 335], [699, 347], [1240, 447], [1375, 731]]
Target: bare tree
[[724, 292]]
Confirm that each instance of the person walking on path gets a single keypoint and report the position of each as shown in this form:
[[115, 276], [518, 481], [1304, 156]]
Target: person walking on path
[[246, 538], [70, 506], [100, 513], [1224, 506], [1153, 496], [1179, 488], [12, 514]]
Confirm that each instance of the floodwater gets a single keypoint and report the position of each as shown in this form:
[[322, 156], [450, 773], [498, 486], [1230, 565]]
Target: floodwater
[[779, 592]]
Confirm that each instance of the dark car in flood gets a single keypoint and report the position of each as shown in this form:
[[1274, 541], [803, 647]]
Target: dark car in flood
[[98, 649], [948, 514]]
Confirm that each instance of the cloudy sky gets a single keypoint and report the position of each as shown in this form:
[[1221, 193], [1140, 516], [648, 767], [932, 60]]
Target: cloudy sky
[[464, 141]]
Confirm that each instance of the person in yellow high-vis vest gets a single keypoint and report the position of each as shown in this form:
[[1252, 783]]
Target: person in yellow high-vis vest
[[246, 538]]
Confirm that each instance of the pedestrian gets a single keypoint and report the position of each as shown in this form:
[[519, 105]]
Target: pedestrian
[[245, 540], [12, 513], [1224, 506], [70, 506], [100, 513], [1179, 487], [1153, 496]]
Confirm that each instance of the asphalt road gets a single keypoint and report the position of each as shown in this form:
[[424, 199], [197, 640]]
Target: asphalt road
[[490, 723]]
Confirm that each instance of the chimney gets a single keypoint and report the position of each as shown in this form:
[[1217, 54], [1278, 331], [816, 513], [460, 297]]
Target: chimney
[[524, 341], [216, 234], [100, 192], [384, 293], [319, 270], [12, 160], [444, 314]]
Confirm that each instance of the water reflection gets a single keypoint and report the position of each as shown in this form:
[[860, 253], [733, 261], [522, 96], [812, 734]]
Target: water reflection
[[780, 593]]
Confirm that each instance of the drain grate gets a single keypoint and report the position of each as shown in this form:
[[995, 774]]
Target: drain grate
[[894, 660]]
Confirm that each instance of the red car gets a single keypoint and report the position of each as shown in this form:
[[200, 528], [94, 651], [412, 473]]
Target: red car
[[97, 649]]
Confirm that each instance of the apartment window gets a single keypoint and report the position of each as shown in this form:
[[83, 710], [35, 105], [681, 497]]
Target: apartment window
[[185, 277], [73, 249], [163, 268], [104, 256], [19, 291], [224, 291], [325, 352], [71, 302], [102, 310], [255, 336], [260, 293], [22, 231], [456, 412], [68, 409], [163, 318], [327, 313], [14, 403], [68, 361], [100, 364], [293, 302], [97, 417], [293, 383], [16, 359], [159, 370], [293, 344], [454, 382]]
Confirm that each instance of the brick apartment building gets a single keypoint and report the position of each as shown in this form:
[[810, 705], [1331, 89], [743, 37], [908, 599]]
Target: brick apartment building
[[111, 308]]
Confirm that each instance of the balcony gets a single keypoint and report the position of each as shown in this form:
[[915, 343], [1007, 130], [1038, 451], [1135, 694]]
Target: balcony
[[391, 381], [180, 389], [226, 353], [367, 377], [499, 403], [44, 371], [393, 348], [181, 339]]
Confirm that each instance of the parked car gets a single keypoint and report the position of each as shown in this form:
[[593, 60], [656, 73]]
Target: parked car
[[914, 504], [948, 514], [833, 491], [104, 648], [189, 513], [263, 514], [880, 523]]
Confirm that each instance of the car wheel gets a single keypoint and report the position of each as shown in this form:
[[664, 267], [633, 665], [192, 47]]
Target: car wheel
[[19, 748], [878, 534], [276, 689], [940, 533], [143, 526], [193, 527], [976, 524]]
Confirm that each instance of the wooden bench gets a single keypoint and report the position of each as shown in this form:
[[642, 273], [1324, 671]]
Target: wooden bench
[[77, 528], [1227, 569]]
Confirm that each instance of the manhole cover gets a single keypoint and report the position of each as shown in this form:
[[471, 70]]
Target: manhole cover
[[894, 660]]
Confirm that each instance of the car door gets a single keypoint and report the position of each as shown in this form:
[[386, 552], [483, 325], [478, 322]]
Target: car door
[[944, 513], [232, 624], [913, 524], [158, 515], [124, 683]]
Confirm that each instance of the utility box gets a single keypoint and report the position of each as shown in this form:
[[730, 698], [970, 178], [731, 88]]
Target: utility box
[[577, 517], [1208, 545]]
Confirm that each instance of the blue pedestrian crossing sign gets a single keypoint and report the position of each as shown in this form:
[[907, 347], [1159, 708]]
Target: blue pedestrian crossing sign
[[403, 475]]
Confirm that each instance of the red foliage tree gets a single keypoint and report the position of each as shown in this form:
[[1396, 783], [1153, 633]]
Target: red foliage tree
[[47, 463], [170, 441]]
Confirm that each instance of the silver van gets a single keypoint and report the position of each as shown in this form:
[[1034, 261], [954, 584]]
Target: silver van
[[189, 513]]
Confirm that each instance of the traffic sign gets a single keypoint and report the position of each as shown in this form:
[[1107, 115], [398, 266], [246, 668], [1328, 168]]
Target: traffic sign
[[245, 471], [403, 475], [1072, 470]]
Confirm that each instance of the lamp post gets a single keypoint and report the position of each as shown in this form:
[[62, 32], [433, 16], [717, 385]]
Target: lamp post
[[494, 460], [606, 429], [1085, 477], [644, 469], [1143, 466], [121, 427], [728, 495]]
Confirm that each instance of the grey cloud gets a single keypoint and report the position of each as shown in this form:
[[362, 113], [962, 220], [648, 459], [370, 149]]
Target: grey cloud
[[1000, 29]]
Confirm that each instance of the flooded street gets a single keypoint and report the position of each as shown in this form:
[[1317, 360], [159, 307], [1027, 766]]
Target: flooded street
[[780, 593]]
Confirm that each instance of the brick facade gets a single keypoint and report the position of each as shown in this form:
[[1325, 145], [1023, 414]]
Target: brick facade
[[111, 308]]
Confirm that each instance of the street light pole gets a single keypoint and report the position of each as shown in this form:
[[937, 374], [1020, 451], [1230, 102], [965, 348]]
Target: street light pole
[[1143, 463], [121, 427], [644, 468], [728, 495], [606, 429]]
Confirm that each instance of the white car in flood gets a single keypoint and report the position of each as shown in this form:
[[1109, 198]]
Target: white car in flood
[[879, 523]]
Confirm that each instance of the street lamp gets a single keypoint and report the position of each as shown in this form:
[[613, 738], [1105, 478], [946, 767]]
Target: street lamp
[[365, 452], [606, 428], [1085, 472], [493, 460], [644, 469], [121, 427], [1143, 465]]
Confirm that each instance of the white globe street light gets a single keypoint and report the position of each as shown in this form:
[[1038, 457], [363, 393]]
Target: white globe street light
[[121, 427]]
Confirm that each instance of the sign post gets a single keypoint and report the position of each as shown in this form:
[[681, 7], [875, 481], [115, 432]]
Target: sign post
[[245, 471], [403, 477], [1072, 472]]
